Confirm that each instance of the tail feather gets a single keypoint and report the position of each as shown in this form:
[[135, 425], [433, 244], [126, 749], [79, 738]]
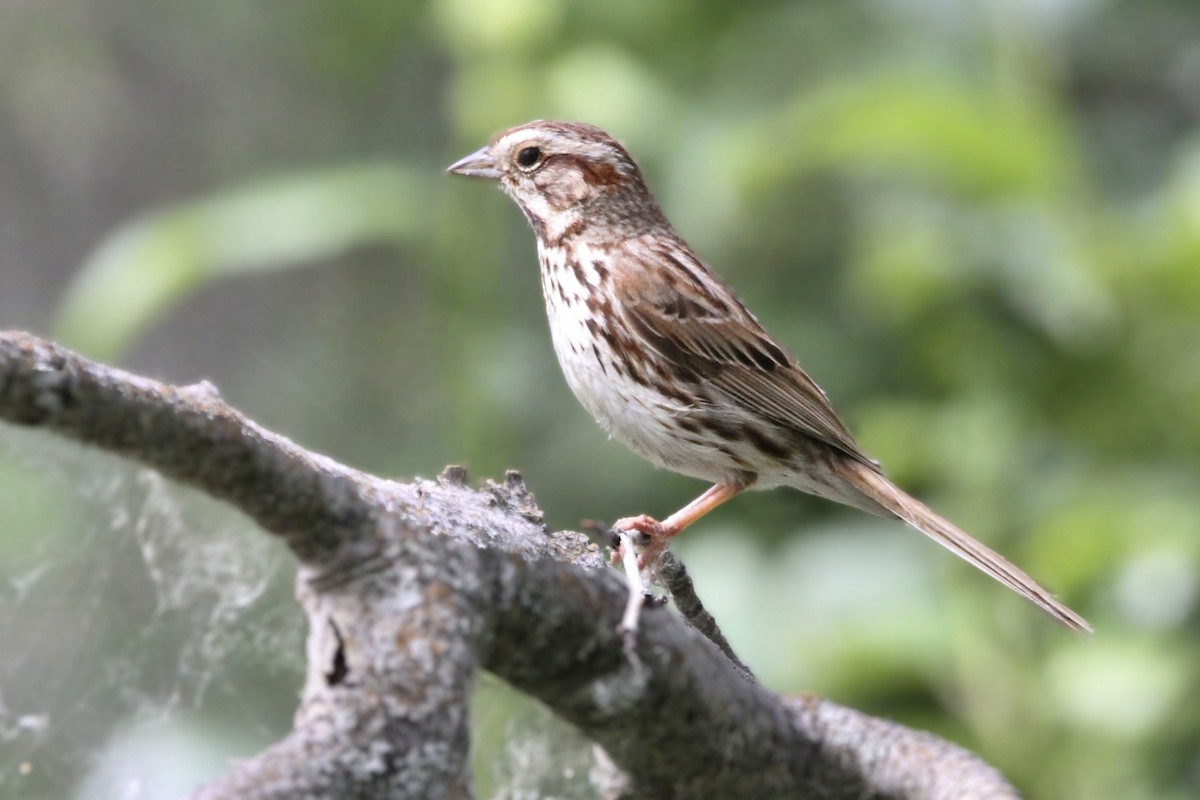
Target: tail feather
[[915, 513]]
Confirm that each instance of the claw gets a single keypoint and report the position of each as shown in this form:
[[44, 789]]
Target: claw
[[643, 524], [654, 601], [652, 541]]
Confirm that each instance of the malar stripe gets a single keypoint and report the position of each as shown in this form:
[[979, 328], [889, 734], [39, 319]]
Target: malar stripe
[[573, 229]]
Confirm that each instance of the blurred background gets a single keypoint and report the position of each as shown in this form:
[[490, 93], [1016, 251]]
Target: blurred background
[[976, 223]]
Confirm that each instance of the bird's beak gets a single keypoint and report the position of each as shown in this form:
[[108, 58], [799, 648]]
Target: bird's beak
[[477, 165]]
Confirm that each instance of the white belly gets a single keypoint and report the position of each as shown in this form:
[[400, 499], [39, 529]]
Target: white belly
[[633, 413]]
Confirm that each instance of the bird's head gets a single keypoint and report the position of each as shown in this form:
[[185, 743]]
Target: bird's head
[[562, 174]]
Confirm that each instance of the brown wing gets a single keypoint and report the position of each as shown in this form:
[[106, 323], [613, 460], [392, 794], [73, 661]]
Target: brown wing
[[690, 319]]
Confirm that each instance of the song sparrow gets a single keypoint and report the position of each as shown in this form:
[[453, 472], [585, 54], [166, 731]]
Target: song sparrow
[[670, 363]]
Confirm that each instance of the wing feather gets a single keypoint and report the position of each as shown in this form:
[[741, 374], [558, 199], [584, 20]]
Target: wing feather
[[690, 319]]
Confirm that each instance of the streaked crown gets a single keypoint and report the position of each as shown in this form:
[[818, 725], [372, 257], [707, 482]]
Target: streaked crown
[[557, 171]]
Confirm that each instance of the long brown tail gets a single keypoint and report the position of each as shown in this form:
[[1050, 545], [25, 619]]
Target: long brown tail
[[921, 517]]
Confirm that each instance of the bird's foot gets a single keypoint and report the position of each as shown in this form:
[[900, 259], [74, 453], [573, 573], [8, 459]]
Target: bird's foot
[[652, 541]]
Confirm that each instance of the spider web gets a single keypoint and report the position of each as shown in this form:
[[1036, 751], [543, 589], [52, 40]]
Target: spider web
[[524, 752], [134, 614]]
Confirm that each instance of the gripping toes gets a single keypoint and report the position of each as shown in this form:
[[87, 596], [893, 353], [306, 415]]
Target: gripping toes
[[642, 523], [651, 543]]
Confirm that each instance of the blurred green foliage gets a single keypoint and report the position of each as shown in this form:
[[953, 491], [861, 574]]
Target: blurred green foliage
[[148, 266], [976, 223]]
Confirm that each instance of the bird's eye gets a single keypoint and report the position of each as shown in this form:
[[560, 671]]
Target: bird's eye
[[529, 156]]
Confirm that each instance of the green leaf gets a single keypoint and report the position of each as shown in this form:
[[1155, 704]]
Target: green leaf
[[139, 273]]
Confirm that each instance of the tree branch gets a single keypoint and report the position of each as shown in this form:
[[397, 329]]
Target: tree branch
[[409, 588]]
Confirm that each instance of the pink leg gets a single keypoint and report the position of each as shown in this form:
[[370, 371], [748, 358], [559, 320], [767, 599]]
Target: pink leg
[[661, 532]]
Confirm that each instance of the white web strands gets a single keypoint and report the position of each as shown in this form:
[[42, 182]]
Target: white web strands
[[125, 600]]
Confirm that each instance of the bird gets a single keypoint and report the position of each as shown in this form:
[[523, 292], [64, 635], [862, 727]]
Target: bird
[[671, 364]]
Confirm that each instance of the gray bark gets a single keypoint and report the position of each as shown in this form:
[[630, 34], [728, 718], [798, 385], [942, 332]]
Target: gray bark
[[410, 588]]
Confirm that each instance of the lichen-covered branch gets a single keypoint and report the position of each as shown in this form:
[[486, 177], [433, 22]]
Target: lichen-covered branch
[[410, 588]]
